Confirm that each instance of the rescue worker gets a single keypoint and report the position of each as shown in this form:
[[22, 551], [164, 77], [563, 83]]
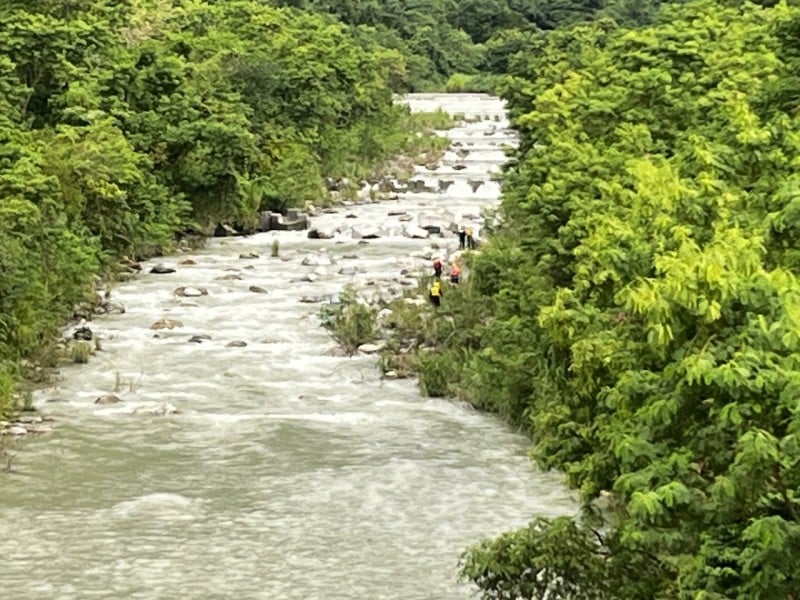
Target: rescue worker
[[455, 274], [435, 293], [437, 268], [470, 239]]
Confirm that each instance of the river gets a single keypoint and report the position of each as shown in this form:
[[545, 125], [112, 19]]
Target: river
[[290, 472]]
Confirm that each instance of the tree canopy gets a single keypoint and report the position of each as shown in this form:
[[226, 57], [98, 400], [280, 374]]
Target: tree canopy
[[442, 38], [637, 310]]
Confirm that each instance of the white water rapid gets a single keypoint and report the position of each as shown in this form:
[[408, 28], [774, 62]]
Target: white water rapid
[[291, 472]]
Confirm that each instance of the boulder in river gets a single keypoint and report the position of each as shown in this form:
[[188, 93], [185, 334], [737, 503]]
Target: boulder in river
[[229, 277], [249, 255], [162, 269], [317, 260], [475, 184], [190, 292], [257, 289], [319, 233], [365, 232], [15, 430], [82, 333], [236, 344], [108, 399], [225, 230], [199, 338], [412, 231], [166, 324]]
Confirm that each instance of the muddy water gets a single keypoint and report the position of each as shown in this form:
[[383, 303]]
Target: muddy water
[[290, 472]]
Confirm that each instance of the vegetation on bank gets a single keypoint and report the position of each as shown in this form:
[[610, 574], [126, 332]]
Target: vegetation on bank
[[455, 42], [124, 124], [637, 312]]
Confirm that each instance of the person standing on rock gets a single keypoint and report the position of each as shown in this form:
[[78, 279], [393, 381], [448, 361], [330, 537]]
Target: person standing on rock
[[437, 268], [470, 239], [435, 293], [455, 274], [462, 238]]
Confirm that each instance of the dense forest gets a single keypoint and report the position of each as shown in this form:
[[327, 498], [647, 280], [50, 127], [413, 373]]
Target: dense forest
[[462, 43], [637, 310]]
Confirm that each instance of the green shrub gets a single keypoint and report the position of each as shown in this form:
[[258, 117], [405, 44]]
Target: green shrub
[[6, 392], [351, 322], [438, 371], [80, 352]]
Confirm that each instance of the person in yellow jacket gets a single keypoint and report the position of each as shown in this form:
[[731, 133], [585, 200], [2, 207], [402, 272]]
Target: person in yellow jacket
[[435, 293], [470, 239]]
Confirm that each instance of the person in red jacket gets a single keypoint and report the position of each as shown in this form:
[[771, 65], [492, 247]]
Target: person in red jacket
[[437, 268]]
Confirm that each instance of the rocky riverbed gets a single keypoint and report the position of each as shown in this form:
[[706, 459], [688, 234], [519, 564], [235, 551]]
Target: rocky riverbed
[[217, 443]]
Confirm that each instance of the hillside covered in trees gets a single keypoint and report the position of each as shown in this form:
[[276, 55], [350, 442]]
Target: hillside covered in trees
[[440, 39], [637, 310]]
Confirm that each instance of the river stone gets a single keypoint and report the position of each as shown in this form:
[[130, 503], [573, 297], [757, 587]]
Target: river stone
[[16, 430], [188, 261], [82, 333], [199, 338], [162, 269], [250, 255], [310, 299], [371, 348], [190, 292], [475, 184], [365, 232], [317, 260], [229, 277], [166, 324], [107, 399], [40, 429], [257, 290], [22, 419], [414, 232], [318, 233], [236, 344]]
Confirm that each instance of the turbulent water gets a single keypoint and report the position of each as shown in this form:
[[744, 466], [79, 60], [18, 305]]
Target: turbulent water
[[290, 472]]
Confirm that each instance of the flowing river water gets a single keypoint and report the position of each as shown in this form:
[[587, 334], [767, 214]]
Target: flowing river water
[[290, 471]]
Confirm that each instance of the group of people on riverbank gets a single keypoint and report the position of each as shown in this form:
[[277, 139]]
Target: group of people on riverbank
[[435, 291], [466, 239]]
